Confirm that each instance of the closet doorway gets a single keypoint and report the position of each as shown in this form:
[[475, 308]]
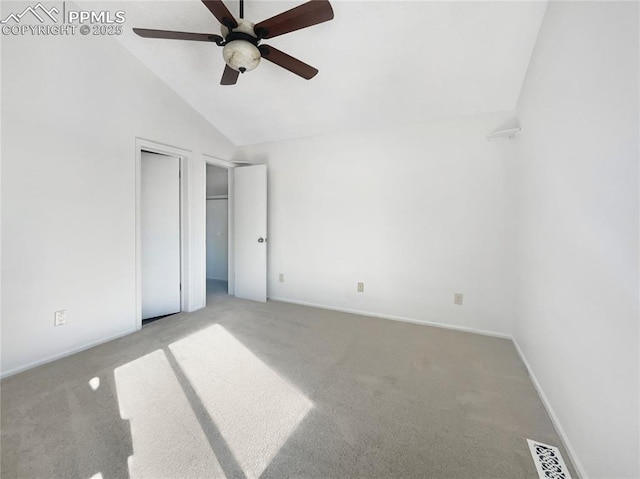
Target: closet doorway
[[160, 235], [156, 183], [217, 227]]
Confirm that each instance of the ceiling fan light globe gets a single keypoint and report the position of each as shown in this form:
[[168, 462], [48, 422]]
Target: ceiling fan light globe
[[244, 26], [241, 55]]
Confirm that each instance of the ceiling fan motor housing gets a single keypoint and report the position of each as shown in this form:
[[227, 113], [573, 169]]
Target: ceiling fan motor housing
[[241, 50]]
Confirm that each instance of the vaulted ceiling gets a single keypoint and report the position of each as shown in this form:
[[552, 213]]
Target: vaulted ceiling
[[380, 62]]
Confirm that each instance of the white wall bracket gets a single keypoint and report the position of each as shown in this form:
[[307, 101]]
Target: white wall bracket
[[506, 133]]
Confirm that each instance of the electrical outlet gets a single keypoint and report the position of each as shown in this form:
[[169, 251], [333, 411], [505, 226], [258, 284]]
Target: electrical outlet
[[457, 298], [281, 277], [360, 287], [60, 318]]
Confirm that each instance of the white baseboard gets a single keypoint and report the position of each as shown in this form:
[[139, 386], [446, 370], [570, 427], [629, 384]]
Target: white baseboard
[[465, 329], [554, 418], [64, 354]]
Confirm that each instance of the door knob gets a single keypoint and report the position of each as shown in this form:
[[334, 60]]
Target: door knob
[[262, 240]]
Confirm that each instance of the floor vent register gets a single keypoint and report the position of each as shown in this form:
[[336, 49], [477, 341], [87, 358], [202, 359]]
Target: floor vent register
[[548, 461]]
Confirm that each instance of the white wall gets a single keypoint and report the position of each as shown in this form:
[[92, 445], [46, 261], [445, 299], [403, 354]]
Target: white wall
[[217, 239], [577, 175], [416, 213], [217, 181], [71, 110]]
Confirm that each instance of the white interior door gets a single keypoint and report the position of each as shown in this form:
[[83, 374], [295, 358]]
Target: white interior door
[[160, 235], [250, 232]]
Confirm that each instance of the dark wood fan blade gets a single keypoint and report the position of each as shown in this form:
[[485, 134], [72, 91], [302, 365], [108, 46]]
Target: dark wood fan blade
[[287, 62], [198, 37], [302, 16], [221, 12], [229, 76]]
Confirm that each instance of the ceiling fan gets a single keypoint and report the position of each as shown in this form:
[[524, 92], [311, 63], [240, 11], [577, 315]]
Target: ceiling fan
[[241, 39]]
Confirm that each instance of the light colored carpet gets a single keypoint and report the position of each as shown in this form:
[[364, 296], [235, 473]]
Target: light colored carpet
[[248, 390]]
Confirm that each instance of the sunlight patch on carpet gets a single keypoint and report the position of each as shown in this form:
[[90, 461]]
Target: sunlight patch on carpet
[[94, 383], [255, 409], [168, 440]]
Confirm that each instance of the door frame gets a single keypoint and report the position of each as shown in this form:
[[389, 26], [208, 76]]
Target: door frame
[[184, 162], [229, 166]]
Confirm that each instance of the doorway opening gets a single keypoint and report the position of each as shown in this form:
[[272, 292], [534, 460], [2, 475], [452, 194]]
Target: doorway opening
[[246, 232], [217, 231], [162, 225], [160, 236]]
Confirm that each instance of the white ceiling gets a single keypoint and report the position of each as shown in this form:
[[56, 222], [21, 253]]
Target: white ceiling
[[381, 63]]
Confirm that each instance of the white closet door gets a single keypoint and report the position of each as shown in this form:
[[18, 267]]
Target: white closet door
[[160, 222], [250, 232]]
